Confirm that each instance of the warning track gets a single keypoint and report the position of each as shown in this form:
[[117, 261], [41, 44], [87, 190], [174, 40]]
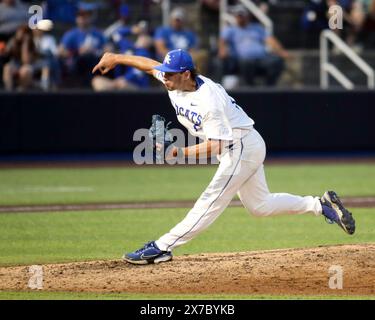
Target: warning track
[[355, 202], [304, 271]]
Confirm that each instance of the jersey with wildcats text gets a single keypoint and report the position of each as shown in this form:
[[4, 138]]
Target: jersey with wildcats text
[[209, 112]]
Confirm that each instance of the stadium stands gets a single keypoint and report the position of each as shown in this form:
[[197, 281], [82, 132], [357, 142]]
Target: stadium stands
[[287, 16]]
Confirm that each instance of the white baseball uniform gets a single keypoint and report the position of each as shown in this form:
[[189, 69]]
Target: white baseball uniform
[[210, 113]]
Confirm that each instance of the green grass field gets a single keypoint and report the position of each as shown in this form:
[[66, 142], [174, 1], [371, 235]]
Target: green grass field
[[44, 186], [39, 238], [75, 236]]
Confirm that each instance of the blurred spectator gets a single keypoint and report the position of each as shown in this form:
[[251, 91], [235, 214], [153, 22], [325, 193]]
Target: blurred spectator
[[61, 10], [244, 51], [121, 37], [315, 17], [210, 24], [353, 19], [119, 32], [18, 72], [81, 47], [32, 58], [13, 14], [140, 30], [177, 36], [367, 33], [46, 47], [131, 78], [121, 23], [209, 20], [3, 60]]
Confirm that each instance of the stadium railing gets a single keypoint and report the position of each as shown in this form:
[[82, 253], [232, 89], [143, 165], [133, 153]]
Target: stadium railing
[[327, 68]]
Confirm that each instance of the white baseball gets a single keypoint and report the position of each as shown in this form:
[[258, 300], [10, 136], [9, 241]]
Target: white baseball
[[45, 25]]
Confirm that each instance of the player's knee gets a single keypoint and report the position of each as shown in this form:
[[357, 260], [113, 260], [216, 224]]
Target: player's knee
[[259, 211]]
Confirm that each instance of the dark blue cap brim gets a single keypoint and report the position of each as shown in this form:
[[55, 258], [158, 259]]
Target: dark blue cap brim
[[164, 68]]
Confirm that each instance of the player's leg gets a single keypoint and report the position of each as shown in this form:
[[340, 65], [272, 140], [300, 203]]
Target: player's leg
[[258, 200], [238, 162], [217, 196], [208, 207], [231, 174]]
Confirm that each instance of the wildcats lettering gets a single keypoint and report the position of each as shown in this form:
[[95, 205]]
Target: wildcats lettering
[[192, 116]]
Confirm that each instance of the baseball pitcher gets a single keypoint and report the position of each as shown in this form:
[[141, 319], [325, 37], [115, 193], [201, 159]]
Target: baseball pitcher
[[207, 111]]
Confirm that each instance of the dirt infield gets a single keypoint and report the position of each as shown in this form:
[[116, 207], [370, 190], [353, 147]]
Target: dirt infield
[[281, 272]]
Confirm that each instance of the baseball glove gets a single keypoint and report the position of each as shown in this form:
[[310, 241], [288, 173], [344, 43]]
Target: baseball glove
[[159, 134]]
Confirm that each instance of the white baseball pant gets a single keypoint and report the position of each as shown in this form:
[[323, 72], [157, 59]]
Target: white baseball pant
[[240, 171]]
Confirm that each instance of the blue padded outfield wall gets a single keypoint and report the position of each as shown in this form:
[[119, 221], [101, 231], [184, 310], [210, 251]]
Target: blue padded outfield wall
[[86, 122]]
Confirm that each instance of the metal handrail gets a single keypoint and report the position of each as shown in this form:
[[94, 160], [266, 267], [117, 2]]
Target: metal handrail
[[327, 68], [224, 16], [259, 14], [229, 19], [165, 10], [252, 7]]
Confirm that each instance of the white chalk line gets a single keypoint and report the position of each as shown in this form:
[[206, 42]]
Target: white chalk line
[[45, 189]]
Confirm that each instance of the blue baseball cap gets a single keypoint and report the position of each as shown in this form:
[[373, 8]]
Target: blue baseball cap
[[176, 61]]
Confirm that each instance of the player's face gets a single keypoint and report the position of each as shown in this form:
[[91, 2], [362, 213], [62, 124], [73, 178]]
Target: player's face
[[174, 80]]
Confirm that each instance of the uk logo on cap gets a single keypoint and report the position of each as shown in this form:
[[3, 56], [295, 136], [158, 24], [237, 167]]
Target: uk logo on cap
[[176, 61], [167, 59]]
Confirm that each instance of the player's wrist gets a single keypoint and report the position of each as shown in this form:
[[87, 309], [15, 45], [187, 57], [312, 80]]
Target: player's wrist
[[117, 58]]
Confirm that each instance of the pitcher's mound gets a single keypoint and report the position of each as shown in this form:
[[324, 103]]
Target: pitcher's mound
[[282, 272]]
